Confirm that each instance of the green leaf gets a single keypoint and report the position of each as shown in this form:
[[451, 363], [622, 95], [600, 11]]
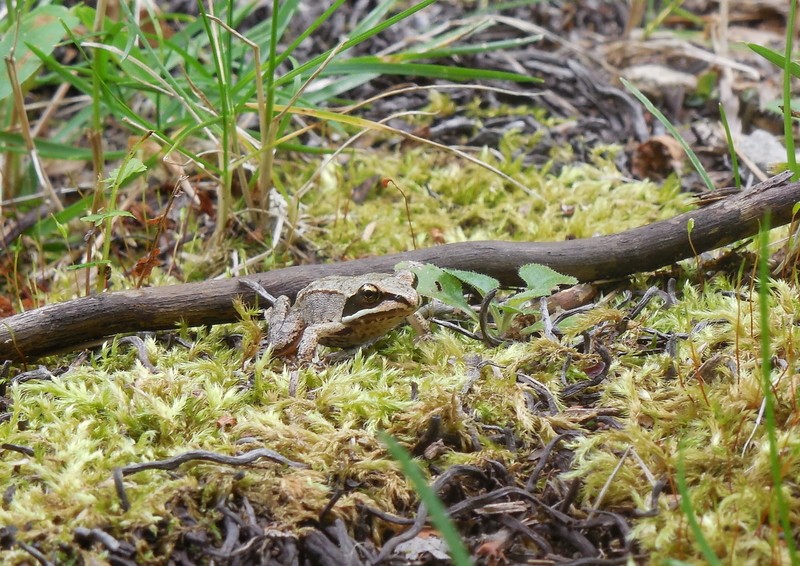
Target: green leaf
[[131, 167], [688, 511], [374, 65], [482, 283], [731, 150], [435, 283], [13, 142], [541, 279], [99, 217], [774, 57], [42, 28], [49, 225], [515, 302], [537, 326], [483, 47]]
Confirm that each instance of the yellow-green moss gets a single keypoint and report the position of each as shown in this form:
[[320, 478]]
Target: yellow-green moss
[[111, 411]]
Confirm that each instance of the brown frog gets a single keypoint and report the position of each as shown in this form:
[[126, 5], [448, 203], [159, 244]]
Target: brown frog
[[341, 312]]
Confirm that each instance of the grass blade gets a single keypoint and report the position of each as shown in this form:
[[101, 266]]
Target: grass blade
[[438, 513], [374, 65], [686, 507], [775, 58], [731, 149], [671, 129], [766, 383], [788, 132]]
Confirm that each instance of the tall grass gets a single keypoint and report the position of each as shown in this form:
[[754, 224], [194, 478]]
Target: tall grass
[[191, 84]]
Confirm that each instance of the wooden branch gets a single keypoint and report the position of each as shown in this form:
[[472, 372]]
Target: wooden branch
[[65, 326]]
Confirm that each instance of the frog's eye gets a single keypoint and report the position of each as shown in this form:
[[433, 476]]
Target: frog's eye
[[369, 293]]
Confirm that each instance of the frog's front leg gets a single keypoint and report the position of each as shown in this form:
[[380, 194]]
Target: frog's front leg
[[420, 324], [285, 327], [309, 342]]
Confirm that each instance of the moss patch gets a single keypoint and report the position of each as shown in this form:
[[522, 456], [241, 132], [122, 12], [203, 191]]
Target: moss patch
[[687, 373]]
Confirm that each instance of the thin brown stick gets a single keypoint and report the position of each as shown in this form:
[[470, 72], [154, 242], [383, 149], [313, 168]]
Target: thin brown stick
[[25, 130], [192, 455], [66, 325]]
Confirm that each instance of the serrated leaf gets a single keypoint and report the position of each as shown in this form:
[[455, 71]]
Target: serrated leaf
[[519, 299], [99, 217], [435, 283], [482, 283], [42, 28], [542, 279], [132, 167]]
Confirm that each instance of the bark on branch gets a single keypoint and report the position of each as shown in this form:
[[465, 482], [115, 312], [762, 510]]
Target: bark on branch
[[67, 325]]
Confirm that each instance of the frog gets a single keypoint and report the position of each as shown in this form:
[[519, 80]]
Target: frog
[[342, 312]]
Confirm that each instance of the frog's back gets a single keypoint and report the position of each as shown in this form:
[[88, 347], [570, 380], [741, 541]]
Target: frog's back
[[320, 305]]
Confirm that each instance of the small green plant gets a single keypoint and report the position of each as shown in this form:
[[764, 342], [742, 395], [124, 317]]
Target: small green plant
[[212, 96], [448, 286]]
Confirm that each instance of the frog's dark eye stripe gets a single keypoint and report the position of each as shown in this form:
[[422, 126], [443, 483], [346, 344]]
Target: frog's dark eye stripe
[[368, 296]]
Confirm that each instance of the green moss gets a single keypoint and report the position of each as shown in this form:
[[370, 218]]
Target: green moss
[[454, 201], [111, 411], [713, 409]]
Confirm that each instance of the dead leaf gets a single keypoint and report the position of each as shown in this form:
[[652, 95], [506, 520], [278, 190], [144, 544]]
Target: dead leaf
[[426, 543], [226, 421], [145, 265], [437, 235], [573, 297], [657, 158], [6, 307], [360, 192]]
